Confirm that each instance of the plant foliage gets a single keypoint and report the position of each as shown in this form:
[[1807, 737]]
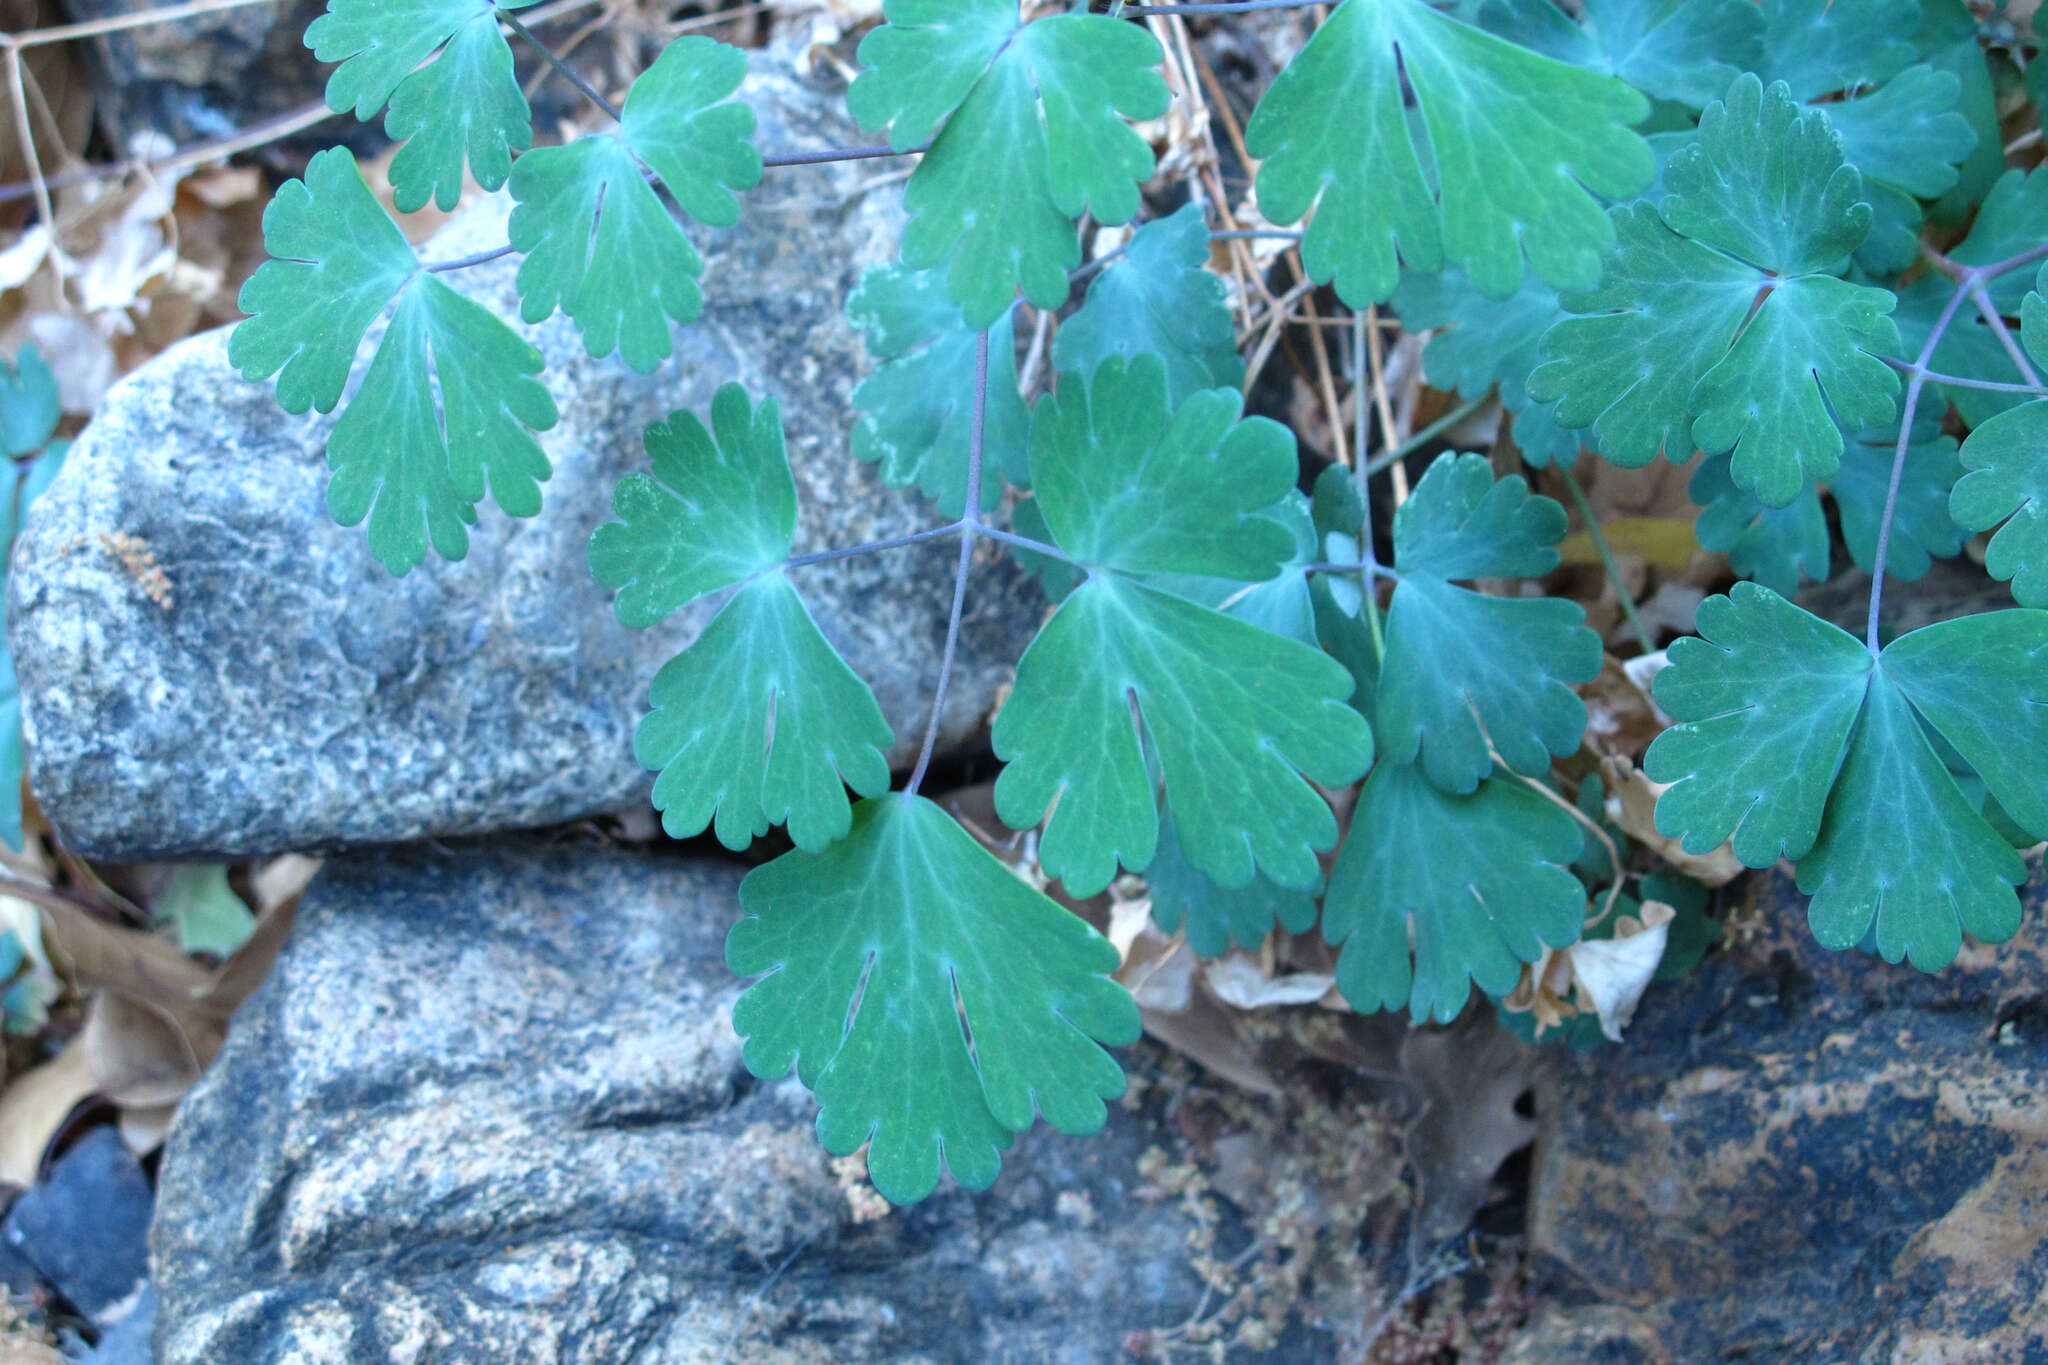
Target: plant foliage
[[1775, 241]]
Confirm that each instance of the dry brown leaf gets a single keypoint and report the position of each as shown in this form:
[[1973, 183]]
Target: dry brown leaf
[[141, 1057], [1614, 972], [1666, 543], [282, 880], [1246, 984], [1471, 1074], [144, 1130], [1620, 718], [1632, 804], [1209, 1032], [34, 1106]]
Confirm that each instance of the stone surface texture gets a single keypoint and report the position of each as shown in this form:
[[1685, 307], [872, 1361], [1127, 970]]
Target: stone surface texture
[[1803, 1155], [489, 1108], [282, 691]]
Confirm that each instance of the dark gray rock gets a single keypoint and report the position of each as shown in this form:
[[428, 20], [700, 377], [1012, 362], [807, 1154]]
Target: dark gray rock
[[282, 691], [489, 1108], [83, 1226], [1801, 1155]]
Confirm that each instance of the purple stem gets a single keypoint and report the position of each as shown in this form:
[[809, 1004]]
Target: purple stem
[[970, 523]]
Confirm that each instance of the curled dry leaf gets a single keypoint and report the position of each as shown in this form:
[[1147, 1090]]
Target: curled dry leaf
[[1604, 977], [1632, 804], [1239, 980], [1620, 717]]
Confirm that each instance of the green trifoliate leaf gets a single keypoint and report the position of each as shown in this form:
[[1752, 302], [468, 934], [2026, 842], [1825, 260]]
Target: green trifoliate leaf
[[337, 260], [933, 1002], [29, 406], [1666, 312], [1127, 479], [1158, 297], [1452, 651], [599, 244], [1766, 696], [1238, 717], [719, 508], [210, 917], [1214, 915], [760, 722], [917, 408], [1761, 204], [1481, 881], [1821, 47], [1769, 545], [1034, 136], [1922, 529], [1520, 145], [1792, 737], [447, 410], [465, 105], [1909, 132], [1683, 50]]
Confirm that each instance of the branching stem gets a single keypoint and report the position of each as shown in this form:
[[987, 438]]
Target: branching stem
[[951, 528], [1960, 382], [970, 523]]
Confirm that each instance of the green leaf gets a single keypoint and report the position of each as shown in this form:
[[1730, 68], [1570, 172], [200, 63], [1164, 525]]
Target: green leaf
[[1520, 145], [337, 260], [1666, 312], [1159, 297], [930, 999], [467, 103], [2007, 481], [1820, 47], [1922, 529], [32, 482], [416, 467], [916, 408], [1215, 915], [1239, 718], [1908, 133], [448, 407], [29, 406], [1452, 652], [1916, 861], [210, 917], [1762, 209], [1279, 604], [1034, 136], [1769, 545], [719, 508], [1794, 739], [1128, 480], [759, 722], [1683, 50], [1482, 880], [1766, 696], [599, 244]]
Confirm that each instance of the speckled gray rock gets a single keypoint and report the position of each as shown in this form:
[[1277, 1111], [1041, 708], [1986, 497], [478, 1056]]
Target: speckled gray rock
[[282, 691], [489, 1110]]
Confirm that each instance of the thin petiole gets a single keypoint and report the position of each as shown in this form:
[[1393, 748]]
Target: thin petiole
[[839, 154], [465, 262], [1027, 543], [970, 522], [1381, 462], [1220, 7], [1957, 381], [875, 546], [1606, 553], [1363, 342], [590, 91]]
